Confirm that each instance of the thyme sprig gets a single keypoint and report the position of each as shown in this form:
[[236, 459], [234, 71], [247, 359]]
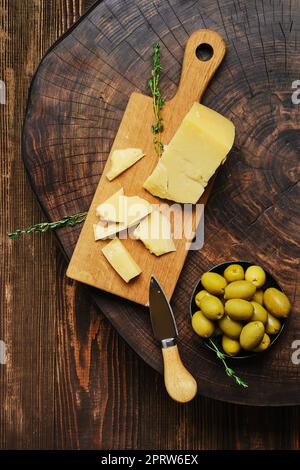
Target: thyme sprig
[[67, 221], [158, 101], [230, 372]]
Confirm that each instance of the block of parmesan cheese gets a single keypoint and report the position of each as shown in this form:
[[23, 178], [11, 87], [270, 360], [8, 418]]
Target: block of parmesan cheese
[[155, 232], [121, 160], [197, 149], [121, 260]]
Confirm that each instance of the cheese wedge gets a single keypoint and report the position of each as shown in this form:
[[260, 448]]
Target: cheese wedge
[[121, 260], [134, 208], [121, 160], [110, 209], [104, 230], [155, 232], [124, 209], [118, 213], [198, 148]]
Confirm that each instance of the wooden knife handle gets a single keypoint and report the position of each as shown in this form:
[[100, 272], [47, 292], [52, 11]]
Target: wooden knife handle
[[180, 384], [197, 72]]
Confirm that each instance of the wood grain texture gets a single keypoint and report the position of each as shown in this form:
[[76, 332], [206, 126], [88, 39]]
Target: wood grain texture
[[88, 264], [93, 391], [76, 104]]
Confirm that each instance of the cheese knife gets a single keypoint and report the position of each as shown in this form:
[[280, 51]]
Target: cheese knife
[[179, 382]]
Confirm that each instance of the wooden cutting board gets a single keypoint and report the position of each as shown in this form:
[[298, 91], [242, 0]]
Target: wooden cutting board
[[204, 53]]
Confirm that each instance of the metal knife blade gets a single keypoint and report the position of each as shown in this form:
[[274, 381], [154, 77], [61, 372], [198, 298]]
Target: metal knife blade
[[162, 318]]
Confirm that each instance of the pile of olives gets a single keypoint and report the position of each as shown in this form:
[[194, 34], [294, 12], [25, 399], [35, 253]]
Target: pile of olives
[[236, 308]]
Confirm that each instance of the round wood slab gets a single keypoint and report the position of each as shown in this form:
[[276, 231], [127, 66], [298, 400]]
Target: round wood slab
[[76, 102]]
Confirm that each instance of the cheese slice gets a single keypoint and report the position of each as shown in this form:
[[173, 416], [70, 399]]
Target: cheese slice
[[118, 213], [124, 209], [103, 230], [110, 209], [155, 232], [121, 260], [198, 148], [121, 160], [134, 208]]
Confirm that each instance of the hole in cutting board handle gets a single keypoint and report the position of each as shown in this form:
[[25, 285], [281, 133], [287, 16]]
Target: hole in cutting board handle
[[204, 52]]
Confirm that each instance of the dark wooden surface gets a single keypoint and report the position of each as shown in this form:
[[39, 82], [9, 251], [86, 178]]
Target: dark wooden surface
[[70, 381], [76, 103]]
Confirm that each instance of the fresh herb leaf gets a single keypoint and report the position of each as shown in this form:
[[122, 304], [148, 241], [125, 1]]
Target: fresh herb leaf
[[158, 102], [230, 372], [67, 221]]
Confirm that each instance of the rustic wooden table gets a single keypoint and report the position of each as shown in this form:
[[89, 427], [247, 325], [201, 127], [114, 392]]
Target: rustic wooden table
[[70, 382]]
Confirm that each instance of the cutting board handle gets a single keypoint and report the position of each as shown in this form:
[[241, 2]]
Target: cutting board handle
[[204, 53]]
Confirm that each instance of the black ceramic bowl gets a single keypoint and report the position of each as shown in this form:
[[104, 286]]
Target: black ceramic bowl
[[270, 282]]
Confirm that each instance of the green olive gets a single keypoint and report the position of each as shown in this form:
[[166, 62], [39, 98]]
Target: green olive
[[240, 290], [234, 272], [231, 328], [259, 313], [239, 309], [213, 283], [251, 335], [259, 297], [200, 296], [277, 303], [212, 307], [264, 344], [202, 325], [256, 275], [273, 325], [230, 346]]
